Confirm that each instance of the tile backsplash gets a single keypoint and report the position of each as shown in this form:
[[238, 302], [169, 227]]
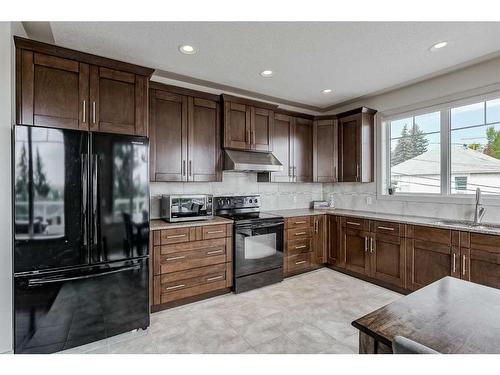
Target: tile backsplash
[[274, 196], [363, 197]]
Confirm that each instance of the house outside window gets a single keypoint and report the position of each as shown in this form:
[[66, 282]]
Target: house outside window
[[449, 150]]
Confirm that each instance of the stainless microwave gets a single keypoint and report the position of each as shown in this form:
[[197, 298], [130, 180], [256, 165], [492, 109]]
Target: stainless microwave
[[186, 207]]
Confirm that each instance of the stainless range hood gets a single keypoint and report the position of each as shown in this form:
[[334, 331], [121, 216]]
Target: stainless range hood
[[248, 161]]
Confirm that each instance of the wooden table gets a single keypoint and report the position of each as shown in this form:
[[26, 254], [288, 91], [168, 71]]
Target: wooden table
[[449, 316]]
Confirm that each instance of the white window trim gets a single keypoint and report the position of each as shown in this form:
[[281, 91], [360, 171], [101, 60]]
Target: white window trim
[[443, 105]]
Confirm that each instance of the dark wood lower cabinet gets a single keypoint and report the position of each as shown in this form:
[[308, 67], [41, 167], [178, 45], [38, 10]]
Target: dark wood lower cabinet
[[355, 244], [388, 259], [336, 257], [480, 259], [319, 239]]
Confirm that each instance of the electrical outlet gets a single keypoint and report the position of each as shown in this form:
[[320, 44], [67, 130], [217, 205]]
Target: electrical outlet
[[369, 201]]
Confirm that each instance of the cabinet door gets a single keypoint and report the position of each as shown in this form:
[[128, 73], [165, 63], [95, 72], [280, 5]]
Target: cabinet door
[[237, 126], [302, 150], [432, 254], [204, 152], [325, 151], [336, 254], [349, 148], [480, 263], [388, 259], [118, 101], [283, 146], [319, 239], [52, 91], [168, 136], [262, 121], [355, 245]]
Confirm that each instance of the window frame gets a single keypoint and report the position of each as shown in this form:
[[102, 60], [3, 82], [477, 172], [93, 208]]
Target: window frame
[[384, 153]]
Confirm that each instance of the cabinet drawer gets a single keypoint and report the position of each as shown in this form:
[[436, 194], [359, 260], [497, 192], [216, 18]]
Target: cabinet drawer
[[299, 262], [386, 227], [190, 255], [176, 235], [298, 233], [298, 246], [213, 231], [299, 222], [183, 284], [356, 223], [429, 234]]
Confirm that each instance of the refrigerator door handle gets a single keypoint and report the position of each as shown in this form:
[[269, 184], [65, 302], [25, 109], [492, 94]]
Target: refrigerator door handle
[[94, 198], [85, 188], [36, 282]]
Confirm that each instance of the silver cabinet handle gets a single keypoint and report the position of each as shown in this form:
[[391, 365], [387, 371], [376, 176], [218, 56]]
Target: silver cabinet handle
[[93, 112], [176, 258], [316, 227], [366, 244], [175, 287], [454, 268], [353, 223], [300, 222], [215, 231], [253, 137], [371, 245], [300, 233], [463, 264], [301, 262], [385, 228], [300, 247], [84, 111], [214, 252], [183, 167], [215, 278], [176, 236]]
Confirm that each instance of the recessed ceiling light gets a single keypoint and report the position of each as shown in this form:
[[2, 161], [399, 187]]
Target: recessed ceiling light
[[326, 91], [439, 46], [187, 49], [267, 73]]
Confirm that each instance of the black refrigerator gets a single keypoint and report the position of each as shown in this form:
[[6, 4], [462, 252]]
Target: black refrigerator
[[81, 234]]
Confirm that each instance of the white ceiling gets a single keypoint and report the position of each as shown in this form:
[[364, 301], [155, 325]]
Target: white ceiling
[[352, 58]]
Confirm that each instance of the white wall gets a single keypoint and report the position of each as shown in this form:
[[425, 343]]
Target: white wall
[[473, 80]]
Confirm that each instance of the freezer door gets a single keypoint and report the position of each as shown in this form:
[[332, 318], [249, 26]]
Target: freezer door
[[50, 168], [57, 311], [120, 197]]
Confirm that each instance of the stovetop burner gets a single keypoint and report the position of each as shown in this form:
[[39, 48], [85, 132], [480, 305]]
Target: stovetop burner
[[242, 208], [250, 216]]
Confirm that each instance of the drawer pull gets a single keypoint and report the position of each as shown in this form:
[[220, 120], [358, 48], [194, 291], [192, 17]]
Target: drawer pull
[[175, 287], [300, 247], [464, 265], [215, 231], [215, 278], [300, 233], [353, 223], [177, 236], [385, 228], [176, 258], [300, 222], [214, 252], [302, 261]]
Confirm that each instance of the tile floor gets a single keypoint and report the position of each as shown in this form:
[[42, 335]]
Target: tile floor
[[309, 313]]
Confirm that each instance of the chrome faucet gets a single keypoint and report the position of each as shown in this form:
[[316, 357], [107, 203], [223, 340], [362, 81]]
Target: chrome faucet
[[480, 210]]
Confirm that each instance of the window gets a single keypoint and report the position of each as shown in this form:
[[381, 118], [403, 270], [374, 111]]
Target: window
[[450, 150]]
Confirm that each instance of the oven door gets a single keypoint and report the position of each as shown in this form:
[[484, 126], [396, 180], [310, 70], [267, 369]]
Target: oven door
[[258, 247]]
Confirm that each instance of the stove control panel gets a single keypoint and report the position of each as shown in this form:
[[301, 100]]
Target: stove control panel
[[230, 202]]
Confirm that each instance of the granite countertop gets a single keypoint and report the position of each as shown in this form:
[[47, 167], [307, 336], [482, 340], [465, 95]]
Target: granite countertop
[[418, 220], [158, 224]]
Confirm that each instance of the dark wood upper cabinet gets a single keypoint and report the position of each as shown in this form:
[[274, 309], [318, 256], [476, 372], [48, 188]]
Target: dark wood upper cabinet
[[62, 88], [356, 145], [302, 150], [184, 135], [52, 91], [283, 146], [325, 150], [248, 124], [204, 151]]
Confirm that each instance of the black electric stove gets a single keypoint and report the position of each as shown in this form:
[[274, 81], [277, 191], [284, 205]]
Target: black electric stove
[[258, 242]]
